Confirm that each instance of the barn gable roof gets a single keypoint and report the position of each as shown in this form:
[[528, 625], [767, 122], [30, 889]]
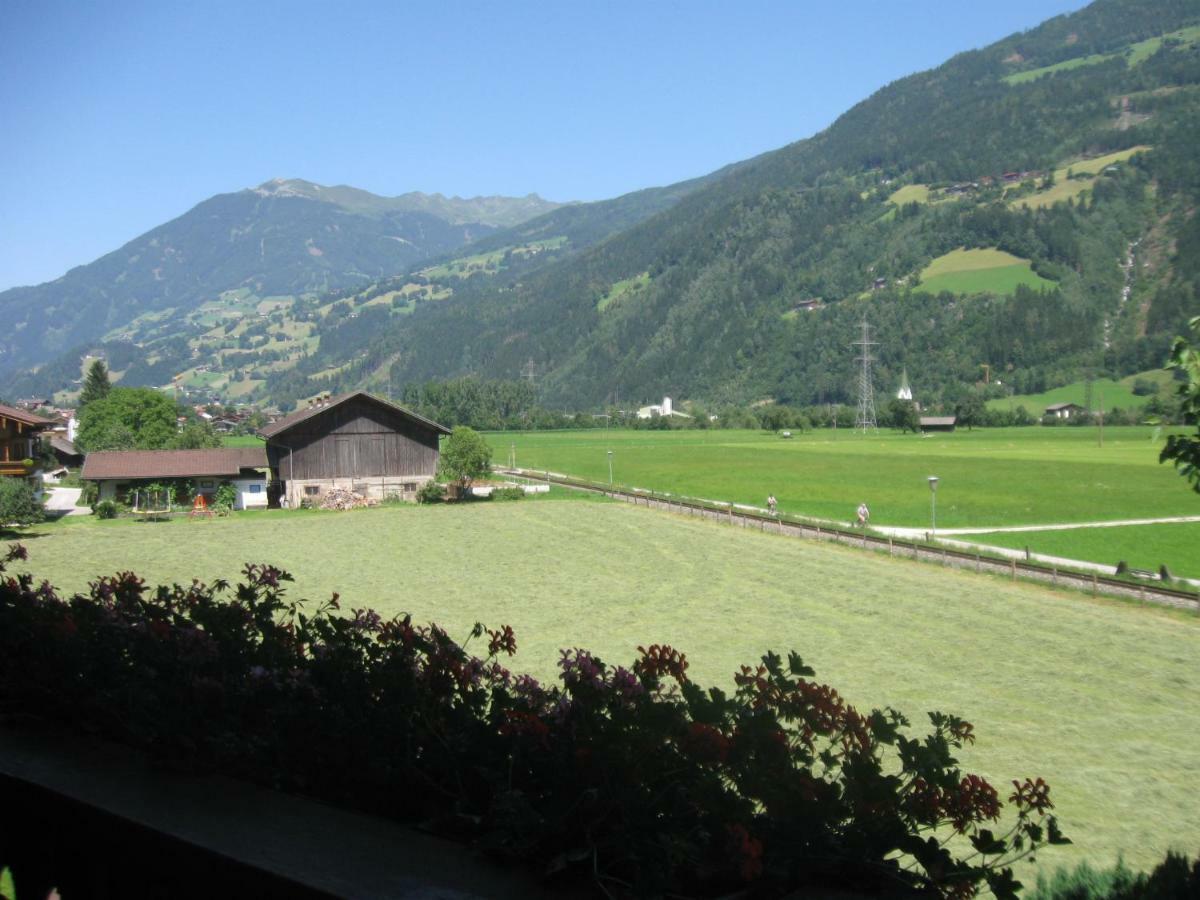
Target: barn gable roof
[[290, 421], [132, 464]]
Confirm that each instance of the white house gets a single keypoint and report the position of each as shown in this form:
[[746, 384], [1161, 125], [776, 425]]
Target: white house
[[660, 409]]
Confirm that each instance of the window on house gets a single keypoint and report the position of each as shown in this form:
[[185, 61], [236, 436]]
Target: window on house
[[256, 488], [207, 485], [311, 490]]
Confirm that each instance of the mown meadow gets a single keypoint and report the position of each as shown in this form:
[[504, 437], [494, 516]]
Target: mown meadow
[[989, 477], [1099, 697]]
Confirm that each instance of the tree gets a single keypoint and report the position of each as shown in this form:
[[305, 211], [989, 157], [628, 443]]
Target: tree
[[128, 418], [1184, 449], [19, 505], [902, 414], [465, 457], [97, 384], [195, 436], [970, 410]]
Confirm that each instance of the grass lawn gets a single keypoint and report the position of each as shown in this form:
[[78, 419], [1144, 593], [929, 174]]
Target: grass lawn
[[989, 477], [1098, 697], [978, 271], [1142, 546]]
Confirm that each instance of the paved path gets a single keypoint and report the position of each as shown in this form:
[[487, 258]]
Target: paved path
[[60, 501], [921, 534], [908, 533]]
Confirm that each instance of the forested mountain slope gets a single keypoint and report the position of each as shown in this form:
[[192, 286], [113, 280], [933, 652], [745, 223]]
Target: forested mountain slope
[[286, 237], [1070, 148]]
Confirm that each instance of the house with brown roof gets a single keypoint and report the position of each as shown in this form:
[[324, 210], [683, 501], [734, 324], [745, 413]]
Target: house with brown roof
[[1064, 410], [938, 423], [20, 431], [117, 472], [355, 442]]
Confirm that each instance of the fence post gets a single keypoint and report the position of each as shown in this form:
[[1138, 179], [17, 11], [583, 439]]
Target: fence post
[[730, 512], [916, 552], [1014, 570], [890, 546], [1095, 585], [1054, 575], [977, 565], [943, 558]]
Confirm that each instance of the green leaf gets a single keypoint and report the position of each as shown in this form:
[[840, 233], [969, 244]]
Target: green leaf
[[797, 667], [986, 842], [1055, 834]]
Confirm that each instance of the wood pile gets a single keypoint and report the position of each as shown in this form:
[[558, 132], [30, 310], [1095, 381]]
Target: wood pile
[[340, 498]]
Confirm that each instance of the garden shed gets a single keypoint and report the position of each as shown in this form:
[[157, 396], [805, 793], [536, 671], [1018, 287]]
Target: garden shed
[[117, 471], [355, 442]]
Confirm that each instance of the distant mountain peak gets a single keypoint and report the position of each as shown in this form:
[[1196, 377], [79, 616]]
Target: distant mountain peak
[[494, 210]]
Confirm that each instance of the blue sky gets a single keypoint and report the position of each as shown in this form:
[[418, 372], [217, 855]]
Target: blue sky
[[120, 116]]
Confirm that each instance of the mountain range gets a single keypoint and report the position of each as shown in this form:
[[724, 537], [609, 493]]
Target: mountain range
[[1025, 210]]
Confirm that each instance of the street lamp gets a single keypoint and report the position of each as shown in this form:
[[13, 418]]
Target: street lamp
[[933, 483], [610, 478]]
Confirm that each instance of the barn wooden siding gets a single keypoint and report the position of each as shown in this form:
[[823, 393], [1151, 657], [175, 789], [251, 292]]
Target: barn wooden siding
[[355, 439]]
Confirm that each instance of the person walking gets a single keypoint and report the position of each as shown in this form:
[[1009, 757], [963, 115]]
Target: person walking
[[864, 514], [771, 503]]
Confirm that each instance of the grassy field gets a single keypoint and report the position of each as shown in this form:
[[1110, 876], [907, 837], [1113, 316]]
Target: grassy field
[[1098, 697], [910, 193], [1142, 546], [1114, 394], [978, 271], [1065, 188], [1134, 54], [990, 477]]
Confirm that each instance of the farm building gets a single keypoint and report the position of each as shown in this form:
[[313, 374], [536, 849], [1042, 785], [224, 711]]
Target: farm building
[[1064, 410], [938, 423], [19, 434], [116, 472], [354, 442]]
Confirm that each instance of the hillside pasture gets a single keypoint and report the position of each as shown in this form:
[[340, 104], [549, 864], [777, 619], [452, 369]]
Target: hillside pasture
[[1114, 394], [910, 193], [1134, 54], [1067, 188], [1098, 697], [979, 270], [622, 289], [989, 478]]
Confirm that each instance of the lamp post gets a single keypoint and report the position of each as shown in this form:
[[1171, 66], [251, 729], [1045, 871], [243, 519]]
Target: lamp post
[[933, 483], [610, 478]]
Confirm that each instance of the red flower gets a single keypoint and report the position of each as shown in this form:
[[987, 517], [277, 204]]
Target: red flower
[[706, 743], [504, 639], [1033, 795], [662, 659]]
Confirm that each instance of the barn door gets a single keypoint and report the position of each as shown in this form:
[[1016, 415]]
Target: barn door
[[344, 458]]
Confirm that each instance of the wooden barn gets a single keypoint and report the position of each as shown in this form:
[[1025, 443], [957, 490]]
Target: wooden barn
[[355, 442]]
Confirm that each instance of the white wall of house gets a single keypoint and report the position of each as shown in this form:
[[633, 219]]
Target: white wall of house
[[252, 493]]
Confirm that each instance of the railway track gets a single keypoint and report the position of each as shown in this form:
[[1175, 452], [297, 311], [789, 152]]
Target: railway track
[[731, 514]]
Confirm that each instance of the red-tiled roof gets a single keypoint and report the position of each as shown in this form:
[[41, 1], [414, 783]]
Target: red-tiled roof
[[25, 418], [123, 464], [308, 412]]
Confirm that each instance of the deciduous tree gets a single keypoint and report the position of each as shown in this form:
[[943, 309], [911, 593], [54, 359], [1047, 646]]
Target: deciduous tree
[[1184, 449], [465, 456]]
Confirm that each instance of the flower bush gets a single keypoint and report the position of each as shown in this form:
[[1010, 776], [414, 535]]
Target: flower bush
[[634, 777]]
